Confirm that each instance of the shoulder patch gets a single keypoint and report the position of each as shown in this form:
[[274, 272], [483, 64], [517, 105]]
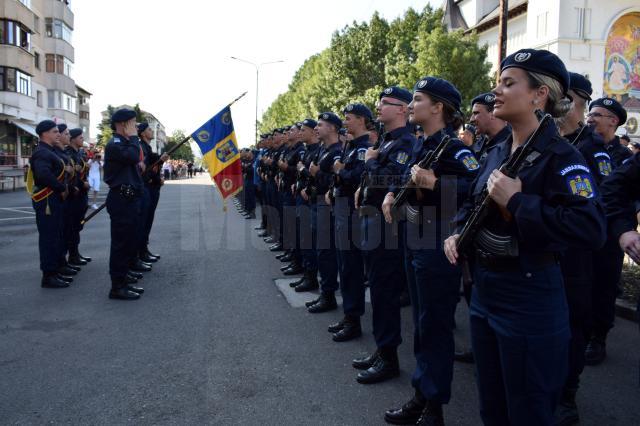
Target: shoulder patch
[[581, 184], [402, 157], [468, 159], [604, 163], [574, 168], [361, 153], [116, 140]]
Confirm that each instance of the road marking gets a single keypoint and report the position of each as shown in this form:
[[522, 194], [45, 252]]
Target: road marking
[[16, 210], [17, 218]]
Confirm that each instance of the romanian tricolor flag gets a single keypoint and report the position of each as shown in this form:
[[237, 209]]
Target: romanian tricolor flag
[[217, 141]]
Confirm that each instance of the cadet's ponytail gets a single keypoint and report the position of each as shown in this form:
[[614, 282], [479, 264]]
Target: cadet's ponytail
[[558, 104], [453, 118]]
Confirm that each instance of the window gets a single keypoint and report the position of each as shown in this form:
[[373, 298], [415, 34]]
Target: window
[[50, 62], [24, 83], [39, 98], [36, 60], [57, 29], [58, 64], [27, 143], [26, 3], [84, 115], [14, 33], [8, 144], [10, 79], [60, 100]]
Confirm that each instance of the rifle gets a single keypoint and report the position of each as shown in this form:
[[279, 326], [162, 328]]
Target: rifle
[[365, 178], [335, 181], [510, 168], [427, 162], [575, 141]]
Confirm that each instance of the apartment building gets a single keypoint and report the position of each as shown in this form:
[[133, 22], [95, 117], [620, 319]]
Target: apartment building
[[36, 75]]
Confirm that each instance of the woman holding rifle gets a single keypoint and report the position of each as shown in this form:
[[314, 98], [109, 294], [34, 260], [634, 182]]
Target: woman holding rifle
[[539, 208], [437, 191]]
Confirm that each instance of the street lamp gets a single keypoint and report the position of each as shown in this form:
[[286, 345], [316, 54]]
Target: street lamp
[[257, 67]]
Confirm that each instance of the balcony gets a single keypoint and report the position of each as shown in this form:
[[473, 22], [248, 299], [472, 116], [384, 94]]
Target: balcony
[[16, 11], [16, 57], [58, 10]]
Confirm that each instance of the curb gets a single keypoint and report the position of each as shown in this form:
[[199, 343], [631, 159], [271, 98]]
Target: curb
[[626, 310]]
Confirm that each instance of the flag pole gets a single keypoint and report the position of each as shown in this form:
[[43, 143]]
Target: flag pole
[[172, 150]]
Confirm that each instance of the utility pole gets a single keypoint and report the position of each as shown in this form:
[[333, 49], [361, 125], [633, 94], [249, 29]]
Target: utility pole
[[502, 32]]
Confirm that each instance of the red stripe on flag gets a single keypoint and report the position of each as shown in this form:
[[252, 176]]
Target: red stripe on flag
[[229, 181]]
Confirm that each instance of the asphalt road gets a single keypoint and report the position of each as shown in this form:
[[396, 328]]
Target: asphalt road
[[213, 340]]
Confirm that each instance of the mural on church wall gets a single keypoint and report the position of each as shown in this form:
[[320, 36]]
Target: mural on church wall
[[622, 67]]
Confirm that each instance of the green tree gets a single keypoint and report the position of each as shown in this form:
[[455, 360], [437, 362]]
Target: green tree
[[182, 153], [104, 127], [140, 116]]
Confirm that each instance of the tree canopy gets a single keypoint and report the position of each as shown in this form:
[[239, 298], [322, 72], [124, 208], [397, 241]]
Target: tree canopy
[[364, 58]]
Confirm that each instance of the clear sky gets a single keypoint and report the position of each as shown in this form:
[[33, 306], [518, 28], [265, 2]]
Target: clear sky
[[173, 56]]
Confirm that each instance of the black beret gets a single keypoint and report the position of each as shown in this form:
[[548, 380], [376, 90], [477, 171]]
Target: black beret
[[332, 118], [441, 90], [470, 128], [62, 127], [613, 106], [541, 62], [398, 93], [488, 99], [419, 128], [342, 131], [123, 114], [579, 84], [142, 127], [286, 128], [358, 109], [74, 133], [299, 124], [45, 126], [310, 122]]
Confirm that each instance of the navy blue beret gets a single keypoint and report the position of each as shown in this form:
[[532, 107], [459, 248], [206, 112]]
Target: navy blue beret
[[286, 128], [613, 106], [45, 126], [332, 118], [398, 93], [74, 133], [62, 127], [342, 132], [278, 130], [470, 128], [299, 124], [123, 114], [358, 109], [310, 122], [580, 85], [441, 90], [541, 62], [488, 99], [142, 127]]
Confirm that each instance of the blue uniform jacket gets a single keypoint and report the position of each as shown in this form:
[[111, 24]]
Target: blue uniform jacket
[[619, 193], [121, 158], [557, 208], [353, 159], [46, 166], [386, 171], [326, 158], [592, 147]]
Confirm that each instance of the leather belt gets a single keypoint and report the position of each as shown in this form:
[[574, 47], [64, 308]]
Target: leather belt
[[503, 264]]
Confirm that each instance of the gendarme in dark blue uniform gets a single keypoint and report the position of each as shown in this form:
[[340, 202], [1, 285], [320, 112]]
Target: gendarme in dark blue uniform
[[122, 174]]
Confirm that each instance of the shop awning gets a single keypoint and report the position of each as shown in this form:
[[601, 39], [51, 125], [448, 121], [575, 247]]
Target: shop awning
[[26, 127]]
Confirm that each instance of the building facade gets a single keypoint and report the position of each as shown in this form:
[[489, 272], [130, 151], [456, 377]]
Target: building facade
[[599, 39], [36, 75]]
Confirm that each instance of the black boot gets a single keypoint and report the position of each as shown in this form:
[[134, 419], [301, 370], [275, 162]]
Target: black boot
[[310, 283], [85, 258], [136, 275], [310, 303], [409, 413], [596, 351], [337, 326], [296, 283], [140, 266], [431, 415], [65, 270], [138, 290], [567, 410], [365, 362], [464, 357], [386, 367], [350, 331], [75, 259], [294, 269], [120, 291], [326, 303], [51, 280], [144, 256], [64, 278]]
